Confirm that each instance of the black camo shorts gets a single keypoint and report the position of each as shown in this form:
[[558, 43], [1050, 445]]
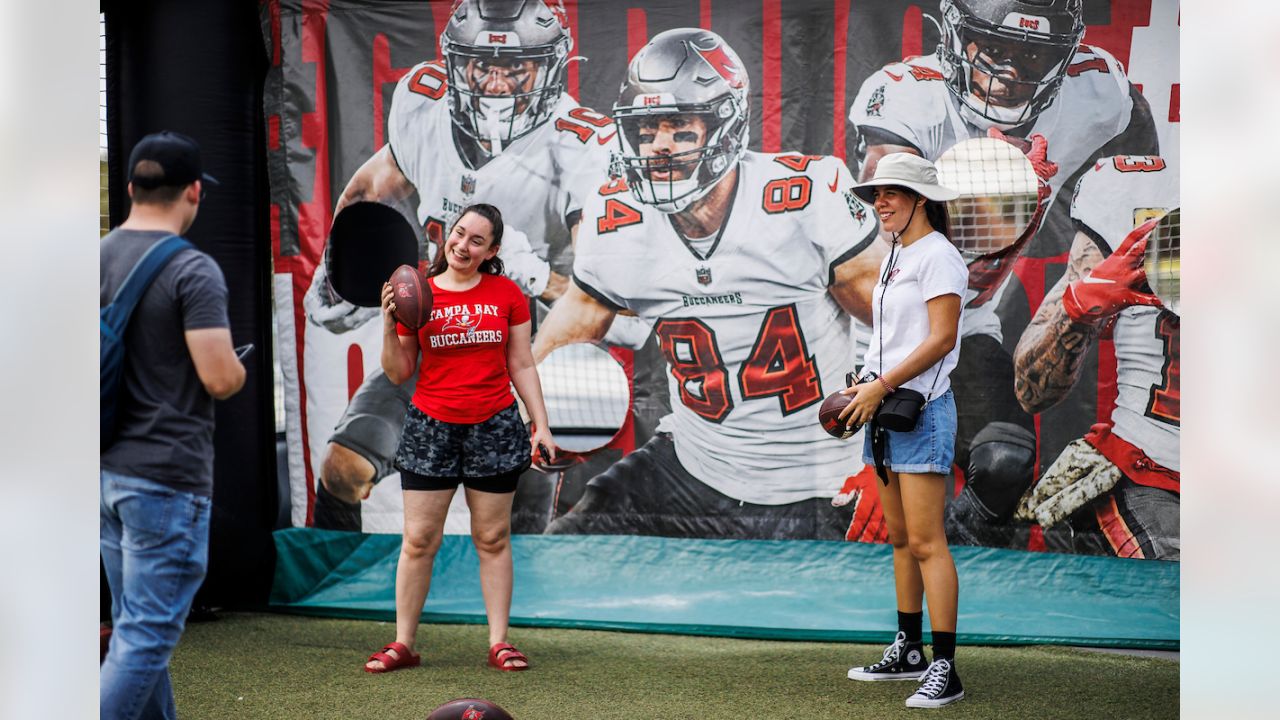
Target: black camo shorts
[[438, 449]]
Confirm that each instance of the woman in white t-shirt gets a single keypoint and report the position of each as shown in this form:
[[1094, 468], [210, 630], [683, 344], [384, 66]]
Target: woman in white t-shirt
[[914, 344]]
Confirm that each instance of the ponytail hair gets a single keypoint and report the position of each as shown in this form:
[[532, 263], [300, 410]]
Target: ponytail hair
[[493, 265], [938, 216]]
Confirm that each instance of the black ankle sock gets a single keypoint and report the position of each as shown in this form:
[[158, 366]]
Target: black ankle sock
[[944, 645], [910, 624]]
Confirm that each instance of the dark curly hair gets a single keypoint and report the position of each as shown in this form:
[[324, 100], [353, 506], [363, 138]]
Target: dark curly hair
[[493, 265]]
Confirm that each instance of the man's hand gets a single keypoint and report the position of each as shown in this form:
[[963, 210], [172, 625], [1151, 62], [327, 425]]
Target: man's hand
[[1113, 283]]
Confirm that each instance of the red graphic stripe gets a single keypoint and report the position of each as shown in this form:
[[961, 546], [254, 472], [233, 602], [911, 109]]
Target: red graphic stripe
[[274, 9], [1175, 103], [839, 55], [440, 18], [355, 369], [704, 14], [1116, 37], [1119, 536], [637, 31], [275, 230], [1107, 388], [912, 32], [571, 76], [1031, 273], [273, 132], [383, 74], [316, 215], [771, 84]]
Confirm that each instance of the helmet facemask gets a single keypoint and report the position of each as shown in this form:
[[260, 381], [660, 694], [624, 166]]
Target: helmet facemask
[[1020, 71], [497, 120], [698, 169]]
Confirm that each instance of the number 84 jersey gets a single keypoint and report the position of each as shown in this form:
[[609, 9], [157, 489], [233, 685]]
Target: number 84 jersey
[[752, 337]]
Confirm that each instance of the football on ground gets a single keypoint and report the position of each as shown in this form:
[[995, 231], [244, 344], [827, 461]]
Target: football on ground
[[469, 709], [411, 295]]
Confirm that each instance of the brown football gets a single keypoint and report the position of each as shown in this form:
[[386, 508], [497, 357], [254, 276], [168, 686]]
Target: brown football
[[412, 296], [829, 416], [469, 709]]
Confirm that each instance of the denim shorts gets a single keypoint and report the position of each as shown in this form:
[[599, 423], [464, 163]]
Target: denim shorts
[[930, 448]]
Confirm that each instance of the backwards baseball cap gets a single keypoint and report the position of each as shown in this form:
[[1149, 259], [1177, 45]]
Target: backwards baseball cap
[[177, 155]]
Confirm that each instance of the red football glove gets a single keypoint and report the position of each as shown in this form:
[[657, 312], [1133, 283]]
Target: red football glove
[[1036, 148], [1112, 285], [867, 524]]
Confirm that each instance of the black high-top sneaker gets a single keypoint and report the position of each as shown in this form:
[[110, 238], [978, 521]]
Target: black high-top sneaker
[[902, 661], [940, 685]]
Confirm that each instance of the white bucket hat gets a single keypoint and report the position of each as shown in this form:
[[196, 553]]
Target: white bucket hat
[[909, 171]]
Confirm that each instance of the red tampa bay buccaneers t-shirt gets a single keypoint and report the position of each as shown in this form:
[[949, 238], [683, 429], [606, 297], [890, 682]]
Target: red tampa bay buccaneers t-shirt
[[464, 376]]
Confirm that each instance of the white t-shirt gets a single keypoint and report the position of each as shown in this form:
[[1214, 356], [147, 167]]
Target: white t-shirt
[[923, 270]]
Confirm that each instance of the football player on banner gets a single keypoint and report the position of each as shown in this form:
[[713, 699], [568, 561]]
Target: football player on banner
[[490, 123], [750, 268], [1117, 489], [1016, 70]]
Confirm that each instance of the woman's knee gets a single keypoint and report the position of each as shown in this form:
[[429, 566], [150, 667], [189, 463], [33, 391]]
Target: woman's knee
[[491, 540], [421, 543], [924, 548]]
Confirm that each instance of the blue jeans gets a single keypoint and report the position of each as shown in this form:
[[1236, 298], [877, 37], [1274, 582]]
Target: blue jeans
[[930, 448], [155, 547]]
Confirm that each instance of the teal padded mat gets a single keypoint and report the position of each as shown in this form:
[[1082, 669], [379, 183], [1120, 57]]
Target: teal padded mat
[[794, 590]]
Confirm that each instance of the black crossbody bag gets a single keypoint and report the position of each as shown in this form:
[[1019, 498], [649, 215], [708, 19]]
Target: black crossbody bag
[[900, 410]]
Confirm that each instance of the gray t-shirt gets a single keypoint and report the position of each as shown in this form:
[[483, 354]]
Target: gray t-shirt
[[164, 414]]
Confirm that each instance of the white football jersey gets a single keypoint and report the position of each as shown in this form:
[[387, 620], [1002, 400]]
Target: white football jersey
[[910, 99], [753, 340], [536, 182], [1117, 195]]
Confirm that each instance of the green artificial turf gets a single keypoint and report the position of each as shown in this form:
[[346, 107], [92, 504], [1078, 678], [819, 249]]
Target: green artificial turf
[[277, 666]]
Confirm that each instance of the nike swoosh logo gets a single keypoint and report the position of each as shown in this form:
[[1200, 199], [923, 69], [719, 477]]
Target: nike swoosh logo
[[1091, 280], [896, 78], [605, 140], [835, 182]]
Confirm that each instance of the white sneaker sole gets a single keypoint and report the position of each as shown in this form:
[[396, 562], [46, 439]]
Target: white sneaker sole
[[858, 674], [914, 702]]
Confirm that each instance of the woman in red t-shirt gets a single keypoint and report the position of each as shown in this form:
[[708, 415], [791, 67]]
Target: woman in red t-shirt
[[463, 426]]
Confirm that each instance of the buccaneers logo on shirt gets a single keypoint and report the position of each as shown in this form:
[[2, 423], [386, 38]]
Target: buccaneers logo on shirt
[[465, 322]]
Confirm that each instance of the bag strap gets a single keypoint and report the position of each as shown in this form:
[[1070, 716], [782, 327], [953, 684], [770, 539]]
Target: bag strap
[[146, 270], [877, 450]]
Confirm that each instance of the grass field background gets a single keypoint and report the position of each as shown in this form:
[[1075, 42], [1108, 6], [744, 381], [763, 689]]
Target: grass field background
[[266, 666]]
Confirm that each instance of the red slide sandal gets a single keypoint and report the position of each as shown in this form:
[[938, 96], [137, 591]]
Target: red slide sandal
[[406, 659], [502, 654]]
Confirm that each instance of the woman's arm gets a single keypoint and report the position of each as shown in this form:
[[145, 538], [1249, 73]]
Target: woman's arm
[[944, 328], [524, 375], [399, 352]]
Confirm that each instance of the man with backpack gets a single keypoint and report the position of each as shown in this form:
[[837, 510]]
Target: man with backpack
[[168, 309]]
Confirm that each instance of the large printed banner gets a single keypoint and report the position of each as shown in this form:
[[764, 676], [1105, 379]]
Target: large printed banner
[[676, 179]]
